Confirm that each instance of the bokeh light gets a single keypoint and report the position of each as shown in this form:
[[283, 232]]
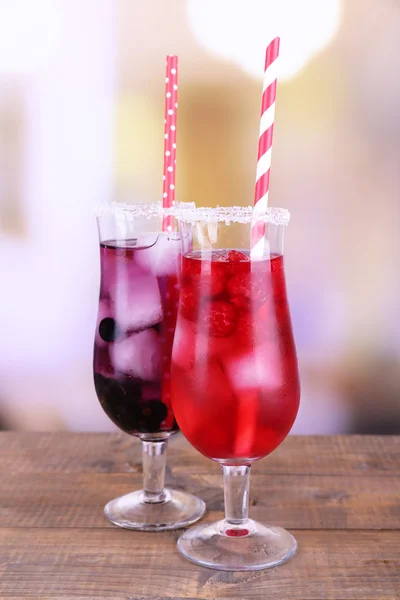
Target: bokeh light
[[28, 34], [240, 30]]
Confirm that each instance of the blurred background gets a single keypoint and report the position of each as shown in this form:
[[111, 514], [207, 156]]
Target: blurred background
[[81, 121]]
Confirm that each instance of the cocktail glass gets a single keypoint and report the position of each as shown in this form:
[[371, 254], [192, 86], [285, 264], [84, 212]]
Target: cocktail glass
[[132, 355], [234, 380]]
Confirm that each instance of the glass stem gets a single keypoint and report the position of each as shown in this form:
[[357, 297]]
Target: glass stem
[[236, 494], [154, 460]]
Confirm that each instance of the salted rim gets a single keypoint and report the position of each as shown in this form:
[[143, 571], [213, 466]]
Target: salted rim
[[141, 210], [130, 210], [227, 214], [233, 214]]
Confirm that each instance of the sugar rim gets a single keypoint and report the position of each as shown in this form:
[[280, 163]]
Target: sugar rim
[[141, 210], [227, 214], [233, 214], [130, 210]]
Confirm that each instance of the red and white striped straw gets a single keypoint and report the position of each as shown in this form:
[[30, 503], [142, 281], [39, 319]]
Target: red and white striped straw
[[171, 107], [265, 136], [248, 411]]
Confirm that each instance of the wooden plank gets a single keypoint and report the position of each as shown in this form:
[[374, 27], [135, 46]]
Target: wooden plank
[[55, 542], [114, 563], [91, 597], [302, 502], [360, 456]]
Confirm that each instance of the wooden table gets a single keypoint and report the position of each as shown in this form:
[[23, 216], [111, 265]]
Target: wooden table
[[340, 496]]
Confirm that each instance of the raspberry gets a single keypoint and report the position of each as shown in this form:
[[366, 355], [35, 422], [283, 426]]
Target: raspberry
[[240, 285], [241, 303], [218, 318], [233, 262], [216, 283], [189, 300], [211, 285], [233, 256], [249, 286], [211, 280]]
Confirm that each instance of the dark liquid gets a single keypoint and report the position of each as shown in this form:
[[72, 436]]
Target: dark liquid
[[134, 333]]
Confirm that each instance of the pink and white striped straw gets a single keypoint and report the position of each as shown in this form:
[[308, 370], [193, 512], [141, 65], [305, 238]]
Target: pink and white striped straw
[[171, 107], [265, 141]]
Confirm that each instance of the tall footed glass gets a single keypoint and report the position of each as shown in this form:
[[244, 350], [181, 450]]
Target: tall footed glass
[[132, 355], [234, 378]]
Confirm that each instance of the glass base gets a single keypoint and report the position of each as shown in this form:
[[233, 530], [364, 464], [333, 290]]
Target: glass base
[[178, 510], [220, 546]]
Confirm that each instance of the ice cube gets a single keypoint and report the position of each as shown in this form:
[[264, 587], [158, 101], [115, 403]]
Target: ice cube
[[158, 253], [259, 370], [255, 377], [213, 388], [139, 355], [183, 351], [116, 267], [136, 302], [191, 346], [203, 401]]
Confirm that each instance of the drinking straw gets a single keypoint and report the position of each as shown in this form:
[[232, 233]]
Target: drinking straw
[[265, 143], [170, 111], [248, 411], [171, 107]]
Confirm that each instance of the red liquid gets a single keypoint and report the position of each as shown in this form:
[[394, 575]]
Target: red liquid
[[234, 381]]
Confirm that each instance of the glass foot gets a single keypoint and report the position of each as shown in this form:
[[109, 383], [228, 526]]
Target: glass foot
[[178, 510], [252, 547]]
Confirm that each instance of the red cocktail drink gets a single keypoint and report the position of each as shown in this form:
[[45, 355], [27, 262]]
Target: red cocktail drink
[[235, 384]]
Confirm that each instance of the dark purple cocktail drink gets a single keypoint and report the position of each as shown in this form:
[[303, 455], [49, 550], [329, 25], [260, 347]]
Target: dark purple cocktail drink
[[140, 256], [134, 333]]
